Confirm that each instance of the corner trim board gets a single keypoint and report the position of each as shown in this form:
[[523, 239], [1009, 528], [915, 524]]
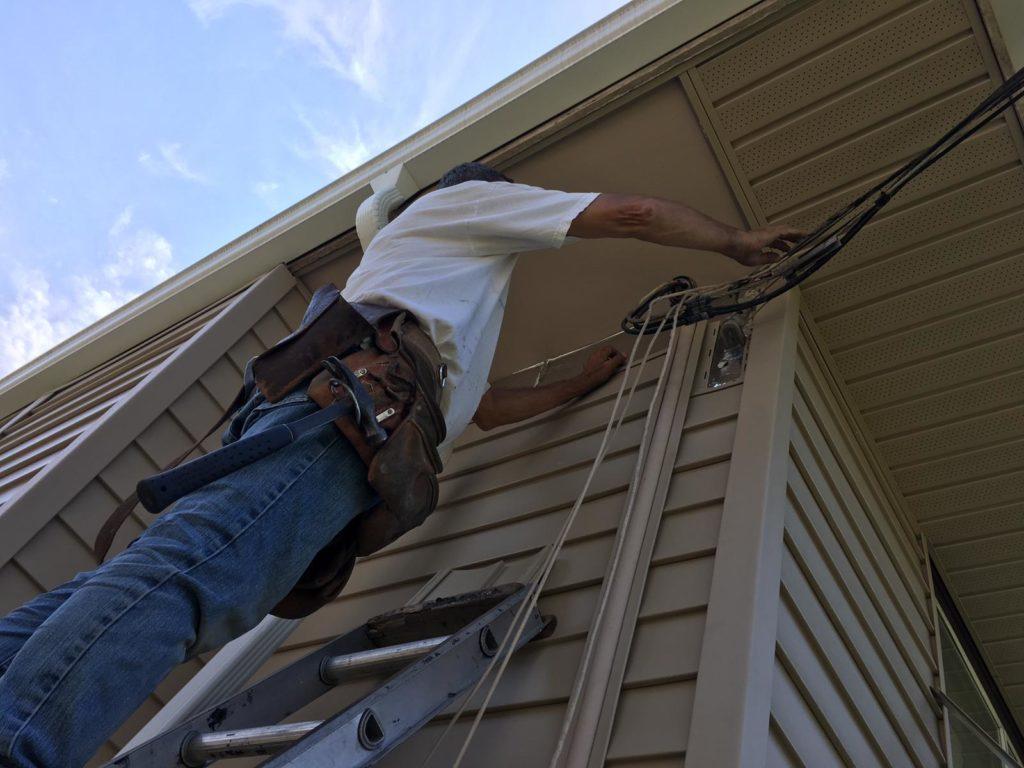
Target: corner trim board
[[732, 703]]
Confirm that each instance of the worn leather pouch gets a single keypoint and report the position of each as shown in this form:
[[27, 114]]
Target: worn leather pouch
[[404, 474], [336, 330]]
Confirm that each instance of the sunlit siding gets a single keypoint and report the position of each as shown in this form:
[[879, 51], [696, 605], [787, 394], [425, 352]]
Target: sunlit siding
[[504, 496], [38, 434], [653, 716], [855, 652]]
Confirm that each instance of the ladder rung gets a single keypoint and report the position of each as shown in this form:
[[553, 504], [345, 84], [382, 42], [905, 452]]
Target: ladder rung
[[272, 738], [265, 740], [340, 668], [435, 670]]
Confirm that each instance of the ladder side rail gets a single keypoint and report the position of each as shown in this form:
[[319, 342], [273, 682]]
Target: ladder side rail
[[270, 700], [369, 729]]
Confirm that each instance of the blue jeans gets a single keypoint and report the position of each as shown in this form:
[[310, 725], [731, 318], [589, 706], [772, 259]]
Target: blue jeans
[[78, 660]]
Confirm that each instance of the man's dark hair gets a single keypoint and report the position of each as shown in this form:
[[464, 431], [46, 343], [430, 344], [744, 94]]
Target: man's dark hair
[[470, 172]]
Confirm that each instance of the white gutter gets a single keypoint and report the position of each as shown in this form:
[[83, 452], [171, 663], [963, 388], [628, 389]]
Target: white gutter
[[603, 53]]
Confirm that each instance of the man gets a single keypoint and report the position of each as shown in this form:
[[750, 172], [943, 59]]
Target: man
[[79, 659]]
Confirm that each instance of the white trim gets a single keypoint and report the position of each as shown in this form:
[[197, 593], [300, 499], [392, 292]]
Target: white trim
[[56, 485], [732, 702], [603, 53]]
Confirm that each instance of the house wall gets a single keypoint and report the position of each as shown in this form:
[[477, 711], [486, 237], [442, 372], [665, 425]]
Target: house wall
[[652, 718], [855, 654], [503, 498]]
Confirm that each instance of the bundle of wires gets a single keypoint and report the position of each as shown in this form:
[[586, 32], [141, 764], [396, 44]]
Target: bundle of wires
[[688, 304]]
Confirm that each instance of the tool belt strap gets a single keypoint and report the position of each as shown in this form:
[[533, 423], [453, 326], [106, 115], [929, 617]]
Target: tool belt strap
[[110, 527]]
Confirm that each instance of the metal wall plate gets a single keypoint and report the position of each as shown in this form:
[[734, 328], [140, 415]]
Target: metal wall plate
[[724, 353]]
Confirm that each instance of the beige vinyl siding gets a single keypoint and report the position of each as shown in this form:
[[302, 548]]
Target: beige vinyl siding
[[63, 546], [653, 715], [855, 652], [504, 496]]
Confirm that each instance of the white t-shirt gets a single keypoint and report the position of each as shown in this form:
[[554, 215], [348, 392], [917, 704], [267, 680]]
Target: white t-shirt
[[448, 259]]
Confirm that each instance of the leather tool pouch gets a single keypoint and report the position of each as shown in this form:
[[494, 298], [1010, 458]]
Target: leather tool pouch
[[337, 328], [402, 371]]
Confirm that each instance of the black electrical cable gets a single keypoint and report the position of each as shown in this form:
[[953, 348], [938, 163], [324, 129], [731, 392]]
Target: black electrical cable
[[688, 304]]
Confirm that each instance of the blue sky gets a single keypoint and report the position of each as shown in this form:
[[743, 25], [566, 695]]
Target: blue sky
[[138, 136]]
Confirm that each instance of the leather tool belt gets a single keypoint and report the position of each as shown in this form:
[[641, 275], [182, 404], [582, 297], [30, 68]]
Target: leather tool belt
[[382, 386], [395, 375]]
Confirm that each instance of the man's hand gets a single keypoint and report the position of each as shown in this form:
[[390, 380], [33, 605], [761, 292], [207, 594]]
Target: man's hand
[[764, 245], [602, 365], [507, 405]]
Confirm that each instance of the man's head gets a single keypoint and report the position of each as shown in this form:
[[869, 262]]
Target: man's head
[[470, 172]]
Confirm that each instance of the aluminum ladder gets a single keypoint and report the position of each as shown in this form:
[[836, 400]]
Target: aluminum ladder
[[441, 647]]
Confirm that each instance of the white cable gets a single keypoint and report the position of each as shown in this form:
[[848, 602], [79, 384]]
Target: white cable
[[620, 540], [520, 620], [538, 586], [530, 599]]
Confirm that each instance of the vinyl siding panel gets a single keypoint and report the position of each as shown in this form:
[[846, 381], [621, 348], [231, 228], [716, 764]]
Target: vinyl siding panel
[[855, 656], [652, 718], [63, 546], [504, 496], [40, 433]]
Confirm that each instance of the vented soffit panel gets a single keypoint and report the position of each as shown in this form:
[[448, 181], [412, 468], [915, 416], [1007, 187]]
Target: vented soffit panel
[[924, 311]]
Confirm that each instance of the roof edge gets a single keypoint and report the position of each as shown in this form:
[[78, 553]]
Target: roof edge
[[608, 50]]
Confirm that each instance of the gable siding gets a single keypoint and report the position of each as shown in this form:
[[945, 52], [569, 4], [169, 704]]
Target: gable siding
[[855, 649], [63, 546], [38, 434], [503, 497]]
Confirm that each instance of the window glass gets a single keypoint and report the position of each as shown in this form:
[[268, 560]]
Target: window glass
[[964, 689]]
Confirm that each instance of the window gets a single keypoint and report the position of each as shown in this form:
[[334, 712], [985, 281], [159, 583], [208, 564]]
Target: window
[[973, 710]]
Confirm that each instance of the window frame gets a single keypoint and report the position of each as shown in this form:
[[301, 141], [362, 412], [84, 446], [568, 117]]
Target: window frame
[[1011, 738]]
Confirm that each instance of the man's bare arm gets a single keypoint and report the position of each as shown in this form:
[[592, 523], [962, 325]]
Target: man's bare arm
[[507, 405], [667, 222]]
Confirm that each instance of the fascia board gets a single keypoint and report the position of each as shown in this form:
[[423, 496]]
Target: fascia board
[[605, 52]]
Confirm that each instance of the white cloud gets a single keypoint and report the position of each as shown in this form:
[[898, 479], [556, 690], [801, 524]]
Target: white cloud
[[41, 314], [170, 163], [265, 190], [343, 149], [417, 57], [450, 67], [345, 36]]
